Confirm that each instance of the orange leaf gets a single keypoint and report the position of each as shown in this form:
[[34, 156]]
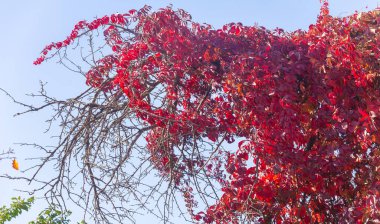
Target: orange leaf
[[376, 138], [240, 88], [15, 164]]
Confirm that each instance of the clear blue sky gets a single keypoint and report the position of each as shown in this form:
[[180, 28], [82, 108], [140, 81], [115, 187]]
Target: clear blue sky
[[27, 26]]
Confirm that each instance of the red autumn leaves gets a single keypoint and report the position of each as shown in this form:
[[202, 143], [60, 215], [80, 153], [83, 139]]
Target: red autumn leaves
[[306, 103]]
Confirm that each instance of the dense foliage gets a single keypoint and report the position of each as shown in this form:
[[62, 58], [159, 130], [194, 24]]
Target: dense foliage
[[49, 215], [17, 206], [305, 106]]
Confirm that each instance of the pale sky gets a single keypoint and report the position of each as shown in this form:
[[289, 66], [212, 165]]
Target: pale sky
[[27, 26]]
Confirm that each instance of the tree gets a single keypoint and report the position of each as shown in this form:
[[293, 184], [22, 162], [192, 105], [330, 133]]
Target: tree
[[169, 95], [48, 216], [17, 206], [52, 215]]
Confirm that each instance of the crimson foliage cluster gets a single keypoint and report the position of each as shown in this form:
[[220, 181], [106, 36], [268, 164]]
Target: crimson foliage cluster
[[305, 103]]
